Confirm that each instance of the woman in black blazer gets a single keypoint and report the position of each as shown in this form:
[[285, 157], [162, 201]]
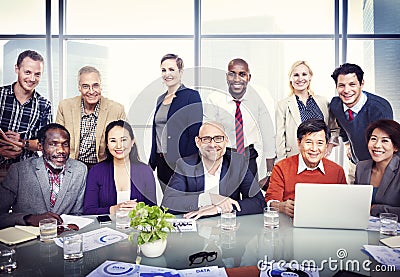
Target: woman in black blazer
[[177, 119], [383, 171]]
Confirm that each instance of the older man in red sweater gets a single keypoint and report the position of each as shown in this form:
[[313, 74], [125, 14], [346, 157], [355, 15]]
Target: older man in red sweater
[[309, 166]]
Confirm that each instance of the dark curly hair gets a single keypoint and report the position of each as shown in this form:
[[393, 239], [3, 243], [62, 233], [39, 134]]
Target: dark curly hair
[[43, 131]]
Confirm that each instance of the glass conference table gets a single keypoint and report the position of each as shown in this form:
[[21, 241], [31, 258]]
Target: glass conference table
[[249, 245]]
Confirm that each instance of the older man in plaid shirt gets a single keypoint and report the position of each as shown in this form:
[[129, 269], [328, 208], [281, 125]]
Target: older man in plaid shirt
[[86, 117], [23, 112]]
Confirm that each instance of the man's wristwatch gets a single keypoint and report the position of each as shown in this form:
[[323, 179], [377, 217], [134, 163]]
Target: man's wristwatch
[[219, 209], [26, 146]]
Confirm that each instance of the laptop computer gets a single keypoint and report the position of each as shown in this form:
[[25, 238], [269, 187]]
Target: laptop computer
[[332, 206]]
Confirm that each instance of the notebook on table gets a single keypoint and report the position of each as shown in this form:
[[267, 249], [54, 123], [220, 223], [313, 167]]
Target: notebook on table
[[18, 234], [332, 206]]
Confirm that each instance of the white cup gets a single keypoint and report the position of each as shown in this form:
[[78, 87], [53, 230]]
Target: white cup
[[73, 246], [228, 220], [271, 218], [388, 224], [48, 229], [122, 220]]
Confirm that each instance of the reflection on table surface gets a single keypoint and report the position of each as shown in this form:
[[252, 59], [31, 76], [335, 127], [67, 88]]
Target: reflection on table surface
[[248, 245]]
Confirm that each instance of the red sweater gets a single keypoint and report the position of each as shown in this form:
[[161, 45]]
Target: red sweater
[[284, 177]]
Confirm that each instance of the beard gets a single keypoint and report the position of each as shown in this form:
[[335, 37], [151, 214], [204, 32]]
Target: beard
[[54, 166]]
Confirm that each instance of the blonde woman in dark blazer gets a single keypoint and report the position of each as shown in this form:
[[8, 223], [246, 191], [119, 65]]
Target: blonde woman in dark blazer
[[302, 104], [383, 170]]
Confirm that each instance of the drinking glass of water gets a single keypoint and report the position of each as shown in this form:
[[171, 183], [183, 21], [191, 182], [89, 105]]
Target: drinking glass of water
[[271, 218], [122, 219], [228, 220], [73, 246], [48, 229], [388, 224], [8, 262]]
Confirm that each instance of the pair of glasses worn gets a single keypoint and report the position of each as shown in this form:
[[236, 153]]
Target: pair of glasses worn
[[231, 74], [208, 139], [86, 87], [200, 257]]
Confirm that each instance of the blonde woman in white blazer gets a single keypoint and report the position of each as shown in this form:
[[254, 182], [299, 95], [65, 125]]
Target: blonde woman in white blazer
[[302, 104]]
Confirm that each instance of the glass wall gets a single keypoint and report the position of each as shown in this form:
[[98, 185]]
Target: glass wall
[[129, 17], [23, 17], [267, 17]]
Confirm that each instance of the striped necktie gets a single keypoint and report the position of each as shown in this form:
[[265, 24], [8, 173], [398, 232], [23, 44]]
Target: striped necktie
[[55, 189], [239, 129]]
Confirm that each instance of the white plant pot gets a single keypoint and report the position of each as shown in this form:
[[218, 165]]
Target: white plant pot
[[154, 249]]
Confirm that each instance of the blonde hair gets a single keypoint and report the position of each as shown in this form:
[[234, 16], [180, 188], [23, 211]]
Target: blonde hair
[[296, 64]]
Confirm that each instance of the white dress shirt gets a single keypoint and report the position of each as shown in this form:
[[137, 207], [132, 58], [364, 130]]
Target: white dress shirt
[[357, 107], [258, 127], [211, 185], [123, 195], [302, 166]]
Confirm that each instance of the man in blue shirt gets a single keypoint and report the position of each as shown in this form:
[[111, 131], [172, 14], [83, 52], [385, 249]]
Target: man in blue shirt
[[354, 110]]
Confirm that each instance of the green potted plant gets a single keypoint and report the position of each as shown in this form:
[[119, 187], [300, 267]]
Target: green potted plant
[[153, 225]]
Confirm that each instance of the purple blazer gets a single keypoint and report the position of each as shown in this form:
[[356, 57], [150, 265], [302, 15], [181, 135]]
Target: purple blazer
[[101, 194]]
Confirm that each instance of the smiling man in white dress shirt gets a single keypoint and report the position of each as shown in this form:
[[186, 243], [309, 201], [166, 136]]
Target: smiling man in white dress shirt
[[256, 122]]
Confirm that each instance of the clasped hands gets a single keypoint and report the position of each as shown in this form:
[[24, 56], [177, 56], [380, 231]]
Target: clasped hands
[[226, 204], [286, 207], [11, 144], [126, 205]]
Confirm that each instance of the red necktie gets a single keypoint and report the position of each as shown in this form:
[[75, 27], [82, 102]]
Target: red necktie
[[239, 129], [351, 115]]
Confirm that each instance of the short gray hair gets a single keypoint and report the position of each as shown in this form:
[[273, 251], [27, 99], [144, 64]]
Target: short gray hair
[[87, 69]]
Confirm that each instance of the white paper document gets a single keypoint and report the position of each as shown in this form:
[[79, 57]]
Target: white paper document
[[78, 220], [374, 224], [114, 268], [384, 255], [210, 271], [97, 238]]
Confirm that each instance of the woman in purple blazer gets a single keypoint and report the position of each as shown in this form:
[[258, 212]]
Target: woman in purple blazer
[[121, 181]]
